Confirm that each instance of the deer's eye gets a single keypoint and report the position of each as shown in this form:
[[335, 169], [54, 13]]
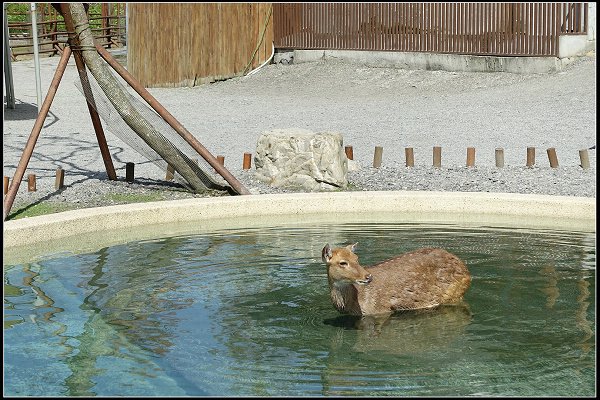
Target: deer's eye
[[344, 263]]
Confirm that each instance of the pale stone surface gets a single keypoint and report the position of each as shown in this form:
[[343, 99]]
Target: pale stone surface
[[299, 158]]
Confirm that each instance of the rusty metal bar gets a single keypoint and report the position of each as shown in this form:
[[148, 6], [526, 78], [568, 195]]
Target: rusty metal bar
[[35, 132], [170, 119]]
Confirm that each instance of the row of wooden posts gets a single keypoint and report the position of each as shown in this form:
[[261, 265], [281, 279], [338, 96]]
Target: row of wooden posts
[[377, 159], [59, 183], [499, 152], [129, 174]]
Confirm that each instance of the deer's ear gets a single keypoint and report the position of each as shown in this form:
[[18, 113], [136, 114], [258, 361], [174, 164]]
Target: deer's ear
[[326, 253], [352, 247]]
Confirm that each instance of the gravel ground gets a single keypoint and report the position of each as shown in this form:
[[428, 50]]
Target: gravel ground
[[387, 107]]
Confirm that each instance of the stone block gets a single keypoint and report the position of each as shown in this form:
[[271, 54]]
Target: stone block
[[301, 159]]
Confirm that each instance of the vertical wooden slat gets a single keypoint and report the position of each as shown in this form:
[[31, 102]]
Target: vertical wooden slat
[[351, 27], [389, 22], [585, 17], [421, 24], [548, 25], [519, 33], [533, 41], [564, 17], [469, 19], [440, 28], [502, 29], [462, 45], [539, 29], [337, 23], [438, 31], [465, 28], [405, 45], [484, 29], [551, 27], [530, 32], [414, 34], [492, 6], [477, 28], [557, 28]]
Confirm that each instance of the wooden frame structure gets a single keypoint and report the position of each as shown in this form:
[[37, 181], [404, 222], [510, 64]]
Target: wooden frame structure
[[75, 49]]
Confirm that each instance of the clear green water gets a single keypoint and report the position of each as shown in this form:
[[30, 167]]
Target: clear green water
[[248, 313]]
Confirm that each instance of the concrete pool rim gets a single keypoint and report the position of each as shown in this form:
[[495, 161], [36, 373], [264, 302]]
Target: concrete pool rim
[[94, 226]]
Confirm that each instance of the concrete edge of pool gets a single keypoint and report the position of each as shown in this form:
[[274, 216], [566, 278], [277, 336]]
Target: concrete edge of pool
[[518, 210]]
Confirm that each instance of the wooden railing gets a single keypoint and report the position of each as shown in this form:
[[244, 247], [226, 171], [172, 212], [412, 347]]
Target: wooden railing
[[502, 29], [108, 27]]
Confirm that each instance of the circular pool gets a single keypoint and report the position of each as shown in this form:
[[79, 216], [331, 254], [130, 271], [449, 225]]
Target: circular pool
[[234, 301]]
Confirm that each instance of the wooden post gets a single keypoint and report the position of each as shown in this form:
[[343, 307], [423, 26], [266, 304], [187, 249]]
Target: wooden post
[[247, 161], [530, 157], [410, 157], [583, 157], [35, 132], [470, 156], [170, 172], [437, 156], [59, 182], [129, 169], [349, 152], [31, 183], [499, 157], [552, 157], [377, 156], [6, 180], [221, 160]]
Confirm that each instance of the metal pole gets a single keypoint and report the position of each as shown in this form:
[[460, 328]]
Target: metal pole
[[8, 78], [36, 56], [35, 132], [170, 119]]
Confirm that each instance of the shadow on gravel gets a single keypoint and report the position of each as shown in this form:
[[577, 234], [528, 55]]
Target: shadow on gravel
[[23, 210], [27, 111], [142, 183]]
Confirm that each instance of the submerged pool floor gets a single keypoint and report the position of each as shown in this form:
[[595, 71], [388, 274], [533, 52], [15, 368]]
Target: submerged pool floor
[[247, 313]]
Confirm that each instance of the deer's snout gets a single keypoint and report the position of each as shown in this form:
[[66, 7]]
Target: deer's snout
[[368, 278]]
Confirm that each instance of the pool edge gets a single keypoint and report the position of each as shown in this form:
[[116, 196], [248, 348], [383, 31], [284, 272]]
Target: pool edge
[[561, 209]]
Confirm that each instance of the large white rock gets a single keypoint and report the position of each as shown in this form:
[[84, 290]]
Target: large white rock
[[299, 158]]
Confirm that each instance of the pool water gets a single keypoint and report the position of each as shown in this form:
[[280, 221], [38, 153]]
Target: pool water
[[247, 313]]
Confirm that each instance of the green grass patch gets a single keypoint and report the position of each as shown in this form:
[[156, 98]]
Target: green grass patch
[[47, 207], [124, 198], [36, 209]]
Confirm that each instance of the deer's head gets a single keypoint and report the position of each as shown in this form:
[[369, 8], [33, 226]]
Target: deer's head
[[343, 266]]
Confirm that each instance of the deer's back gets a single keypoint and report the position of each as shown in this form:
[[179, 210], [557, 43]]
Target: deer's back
[[419, 279]]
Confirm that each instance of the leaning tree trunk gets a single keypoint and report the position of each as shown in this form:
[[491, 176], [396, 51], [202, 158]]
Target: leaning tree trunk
[[119, 98]]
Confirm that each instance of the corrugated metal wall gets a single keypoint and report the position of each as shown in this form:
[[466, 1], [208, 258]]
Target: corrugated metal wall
[[186, 44]]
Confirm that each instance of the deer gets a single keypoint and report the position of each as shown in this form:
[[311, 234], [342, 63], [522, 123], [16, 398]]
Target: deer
[[421, 279]]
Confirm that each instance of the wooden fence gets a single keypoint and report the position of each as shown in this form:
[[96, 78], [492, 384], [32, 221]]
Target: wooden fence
[[501, 29], [107, 24], [185, 44]]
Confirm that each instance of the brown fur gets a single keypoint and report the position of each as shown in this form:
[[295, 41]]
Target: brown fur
[[420, 279]]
